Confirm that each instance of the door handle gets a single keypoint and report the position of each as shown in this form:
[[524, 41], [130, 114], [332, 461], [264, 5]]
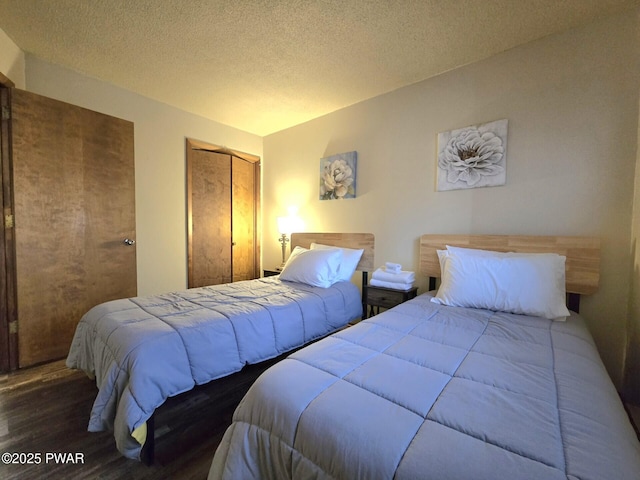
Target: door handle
[[128, 242]]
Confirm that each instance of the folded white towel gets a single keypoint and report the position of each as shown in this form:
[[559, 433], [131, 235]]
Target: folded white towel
[[392, 285], [402, 277], [392, 267]]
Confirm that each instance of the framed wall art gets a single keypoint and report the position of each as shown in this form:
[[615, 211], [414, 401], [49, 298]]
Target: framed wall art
[[472, 157], [338, 176]]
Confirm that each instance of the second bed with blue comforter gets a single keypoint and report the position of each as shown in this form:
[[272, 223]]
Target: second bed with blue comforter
[[144, 350]]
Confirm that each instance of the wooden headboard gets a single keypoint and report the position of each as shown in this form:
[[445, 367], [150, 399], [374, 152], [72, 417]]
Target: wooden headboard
[[583, 254], [365, 241]]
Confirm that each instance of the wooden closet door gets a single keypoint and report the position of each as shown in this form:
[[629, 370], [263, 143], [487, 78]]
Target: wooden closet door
[[74, 203], [243, 219], [223, 208], [209, 178]]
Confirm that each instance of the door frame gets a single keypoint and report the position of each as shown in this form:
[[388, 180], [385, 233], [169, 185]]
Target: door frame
[[8, 297], [193, 144]]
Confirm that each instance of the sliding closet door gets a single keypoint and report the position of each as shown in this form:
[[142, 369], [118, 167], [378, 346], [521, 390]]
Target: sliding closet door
[[74, 203], [209, 185], [223, 192], [243, 216]]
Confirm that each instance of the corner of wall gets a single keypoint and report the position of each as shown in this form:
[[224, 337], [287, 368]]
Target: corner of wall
[[12, 61]]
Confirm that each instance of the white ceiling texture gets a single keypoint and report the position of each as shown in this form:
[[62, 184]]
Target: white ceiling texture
[[265, 65]]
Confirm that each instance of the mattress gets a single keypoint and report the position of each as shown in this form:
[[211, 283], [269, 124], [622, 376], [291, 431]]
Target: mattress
[[424, 391], [143, 350]]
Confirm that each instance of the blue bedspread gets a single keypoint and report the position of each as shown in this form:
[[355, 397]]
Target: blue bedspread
[[424, 391], [143, 350]]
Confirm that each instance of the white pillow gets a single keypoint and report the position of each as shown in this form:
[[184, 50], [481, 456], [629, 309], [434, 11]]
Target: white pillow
[[318, 268], [527, 284], [442, 254], [349, 263]]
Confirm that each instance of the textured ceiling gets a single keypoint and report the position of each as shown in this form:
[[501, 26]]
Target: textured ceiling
[[265, 65]]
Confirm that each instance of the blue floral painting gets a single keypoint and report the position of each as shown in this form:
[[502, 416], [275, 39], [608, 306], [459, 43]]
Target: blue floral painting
[[338, 176], [472, 157]]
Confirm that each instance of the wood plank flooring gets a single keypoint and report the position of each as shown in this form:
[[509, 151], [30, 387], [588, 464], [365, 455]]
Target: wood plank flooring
[[46, 409]]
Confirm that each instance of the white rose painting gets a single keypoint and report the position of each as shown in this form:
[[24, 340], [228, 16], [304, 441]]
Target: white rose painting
[[472, 157], [338, 176]]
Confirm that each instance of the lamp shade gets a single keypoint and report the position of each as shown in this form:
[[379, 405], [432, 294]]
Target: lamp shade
[[283, 225], [289, 224]]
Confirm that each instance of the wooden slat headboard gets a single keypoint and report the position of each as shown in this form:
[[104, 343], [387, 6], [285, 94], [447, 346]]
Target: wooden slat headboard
[[365, 241], [583, 254]]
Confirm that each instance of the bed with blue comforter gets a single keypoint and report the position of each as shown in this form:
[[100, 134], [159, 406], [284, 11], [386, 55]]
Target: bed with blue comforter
[[491, 377], [426, 391], [144, 350]]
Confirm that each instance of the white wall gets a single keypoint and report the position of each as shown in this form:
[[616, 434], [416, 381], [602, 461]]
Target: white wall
[[160, 131], [572, 105], [11, 60]]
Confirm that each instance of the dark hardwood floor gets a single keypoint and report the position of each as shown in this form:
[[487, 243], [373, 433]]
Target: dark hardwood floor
[[45, 409]]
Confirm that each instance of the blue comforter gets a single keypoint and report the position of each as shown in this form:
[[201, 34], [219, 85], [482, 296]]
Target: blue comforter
[[143, 350], [424, 391]]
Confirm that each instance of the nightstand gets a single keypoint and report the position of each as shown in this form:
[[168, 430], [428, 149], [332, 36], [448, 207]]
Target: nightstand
[[270, 273], [385, 297]]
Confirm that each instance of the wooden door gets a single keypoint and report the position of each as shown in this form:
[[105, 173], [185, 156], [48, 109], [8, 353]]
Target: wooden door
[[74, 205], [210, 185], [243, 214], [223, 191]]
